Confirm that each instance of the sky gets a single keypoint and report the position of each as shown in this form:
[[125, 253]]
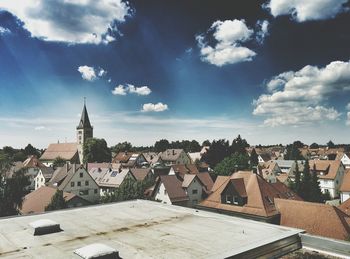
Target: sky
[[273, 71]]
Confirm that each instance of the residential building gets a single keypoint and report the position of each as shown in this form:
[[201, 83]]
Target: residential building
[[142, 174], [345, 159], [193, 188], [195, 156], [175, 157], [70, 152], [345, 187], [315, 218], [264, 157], [75, 179], [330, 174], [108, 179], [168, 190], [247, 195], [182, 169], [36, 201], [153, 158], [269, 170], [130, 160], [44, 176]]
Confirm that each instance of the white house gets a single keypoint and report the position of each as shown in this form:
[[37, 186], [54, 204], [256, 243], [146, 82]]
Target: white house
[[330, 174], [346, 160], [44, 176], [75, 179], [345, 187]]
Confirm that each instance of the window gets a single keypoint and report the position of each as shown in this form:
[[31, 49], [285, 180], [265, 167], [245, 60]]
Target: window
[[85, 192], [81, 175], [79, 184], [71, 184], [228, 199], [194, 191], [86, 183], [235, 200], [95, 191]]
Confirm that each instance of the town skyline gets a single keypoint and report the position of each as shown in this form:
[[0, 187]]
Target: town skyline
[[270, 74]]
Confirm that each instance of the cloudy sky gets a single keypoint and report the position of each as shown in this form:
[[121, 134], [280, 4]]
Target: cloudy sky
[[273, 71]]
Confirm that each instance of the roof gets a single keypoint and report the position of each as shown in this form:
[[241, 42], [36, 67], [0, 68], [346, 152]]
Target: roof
[[112, 178], [345, 186], [195, 156], [115, 166], [315, 218], [173, 187], [345, 206], [140, 173], [47, 172], [36, 201], [188, 178], [171, 154], [122, 157], [325, 169], [207, 181], [32, 161], [84, 122], [265, 156], [239, 186], [260, 195], [142, 229], [183, 169], [151, 157], [66, 151]]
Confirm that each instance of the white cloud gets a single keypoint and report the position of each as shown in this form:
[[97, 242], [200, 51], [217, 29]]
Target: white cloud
[[229, 35], [90, 73], [301, 97], [262, 31], [4, 30], [348, 118], [154, 107], [70, 21], [123, 90], [302, 10]]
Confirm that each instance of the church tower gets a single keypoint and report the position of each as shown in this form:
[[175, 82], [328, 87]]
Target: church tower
[[84, 131]]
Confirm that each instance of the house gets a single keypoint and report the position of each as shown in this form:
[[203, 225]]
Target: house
[[345, 187], [44, 176], [36, 201], [195, 156], [345, 159], [114, 166], [269, 170], [108, 179], [193, 187], [345, 206], [264, 157], [153, 158], [168, 190], [207, 182], [142, 174], [70, 152], [315, 218], [330, 174], [75, 179], [247, 195], [182, 169], [175, 156], [130, 159]]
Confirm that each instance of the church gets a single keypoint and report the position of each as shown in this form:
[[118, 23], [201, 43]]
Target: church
[[70, 152]]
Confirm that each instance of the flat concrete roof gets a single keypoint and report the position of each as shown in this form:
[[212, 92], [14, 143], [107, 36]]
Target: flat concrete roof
[[139, 229]]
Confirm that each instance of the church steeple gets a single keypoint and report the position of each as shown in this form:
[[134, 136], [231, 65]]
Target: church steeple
[[84, 128]]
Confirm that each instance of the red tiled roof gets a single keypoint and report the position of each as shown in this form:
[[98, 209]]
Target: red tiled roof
[[66, 151], [174, 188], [330, 167], [315, 218], [345, 186]]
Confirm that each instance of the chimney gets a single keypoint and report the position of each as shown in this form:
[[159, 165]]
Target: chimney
[[173, 152]]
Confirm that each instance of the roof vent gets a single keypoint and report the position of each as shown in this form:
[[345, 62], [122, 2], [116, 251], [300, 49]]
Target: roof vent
[[45, 226], [97, 251]]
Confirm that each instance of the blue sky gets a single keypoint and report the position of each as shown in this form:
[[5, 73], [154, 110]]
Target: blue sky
[[272, 71]]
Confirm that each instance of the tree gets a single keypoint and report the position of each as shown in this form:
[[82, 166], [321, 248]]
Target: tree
[[330, 144], [305, 188], [96, 150], [30, 150], [122, 147], [293, 152], [12, 190], [314, 146], [253, 160], [58, 162], [206, 143], [239, 145], [57, 202], [230, 164], [297, 180], [315, 189], [194, 146], [161, 145], [219, 149]]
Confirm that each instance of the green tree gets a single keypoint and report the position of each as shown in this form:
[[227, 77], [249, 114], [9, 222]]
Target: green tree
[[297, 180], [330, 144], [293, 152], [206, 143], [253, 160], [57, 202], [305, 189], [96, 150], [239, 145], [219, 149], [122, 147], [58, 162], [314, 146], [194, 146], [30, 150], [161, 145], [315, 189], [232, 163]]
